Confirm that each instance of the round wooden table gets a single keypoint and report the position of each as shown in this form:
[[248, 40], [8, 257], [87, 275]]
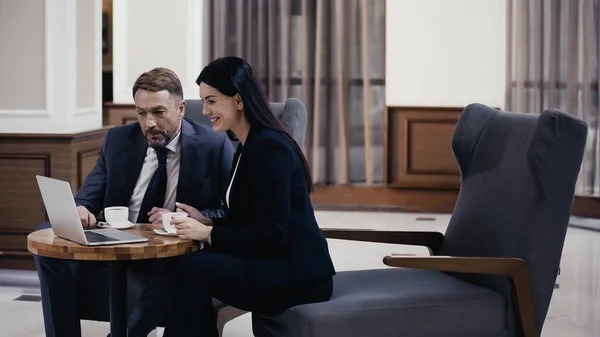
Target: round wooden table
[[45, 243]]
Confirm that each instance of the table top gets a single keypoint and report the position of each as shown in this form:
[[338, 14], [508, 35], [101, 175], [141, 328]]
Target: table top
[[45, 243]]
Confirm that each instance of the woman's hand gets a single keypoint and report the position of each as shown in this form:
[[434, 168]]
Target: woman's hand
[[193, 213], [192, 229]]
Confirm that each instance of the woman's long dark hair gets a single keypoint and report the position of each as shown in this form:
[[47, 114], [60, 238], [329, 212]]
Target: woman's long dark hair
[[233, 75]]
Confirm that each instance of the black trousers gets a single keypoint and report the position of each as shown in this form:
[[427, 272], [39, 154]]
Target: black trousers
[[196, 278], [74, 290], [175, 291]]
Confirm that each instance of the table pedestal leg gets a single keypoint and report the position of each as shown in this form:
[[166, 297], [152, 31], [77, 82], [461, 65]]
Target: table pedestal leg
[[118, 300]]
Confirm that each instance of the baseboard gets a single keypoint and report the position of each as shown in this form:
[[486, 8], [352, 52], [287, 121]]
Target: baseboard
[[592, 224], [382, 198], [586, 207], [19, 278], [357, 208]]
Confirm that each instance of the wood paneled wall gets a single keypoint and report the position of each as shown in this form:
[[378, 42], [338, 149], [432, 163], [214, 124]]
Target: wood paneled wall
[[420, 172], [418, 148], [68, 157], [119, 114]]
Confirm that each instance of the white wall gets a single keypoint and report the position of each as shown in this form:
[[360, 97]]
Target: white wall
[[156, 33], [50, 64], [26, 87], [445, 52]]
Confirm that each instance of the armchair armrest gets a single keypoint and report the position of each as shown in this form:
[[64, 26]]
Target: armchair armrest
[[431, 240], [515, 269]]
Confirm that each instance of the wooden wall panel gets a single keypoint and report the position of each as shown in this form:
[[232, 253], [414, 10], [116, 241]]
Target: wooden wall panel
[[20, 191], [418, 148], [21, 198], [68, 157], [86, 160], [119, 114], [427, 145]]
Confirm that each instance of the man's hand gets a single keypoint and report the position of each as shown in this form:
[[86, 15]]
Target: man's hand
[[155, 215], [193, 213], [87, 219]]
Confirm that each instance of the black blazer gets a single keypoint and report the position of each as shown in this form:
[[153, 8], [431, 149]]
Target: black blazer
[[206, 158], [271, 221]]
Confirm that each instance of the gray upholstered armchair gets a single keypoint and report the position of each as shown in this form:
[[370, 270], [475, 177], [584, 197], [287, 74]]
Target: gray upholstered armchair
[[493, 272]]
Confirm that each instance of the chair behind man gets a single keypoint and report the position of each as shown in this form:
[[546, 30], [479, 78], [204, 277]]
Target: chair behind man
[[291, 113], [493, 272]]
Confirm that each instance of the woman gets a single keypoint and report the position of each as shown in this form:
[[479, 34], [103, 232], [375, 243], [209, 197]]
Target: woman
[[268, 254]]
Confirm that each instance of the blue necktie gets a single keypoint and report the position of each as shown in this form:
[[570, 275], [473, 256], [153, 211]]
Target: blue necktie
[[157, 188]]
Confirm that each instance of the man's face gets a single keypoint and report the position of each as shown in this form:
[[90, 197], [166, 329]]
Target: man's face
[[159, 114]]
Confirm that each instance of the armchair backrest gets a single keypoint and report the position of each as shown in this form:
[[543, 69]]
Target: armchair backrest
[[291, 113], [518, 175], [193, 111]]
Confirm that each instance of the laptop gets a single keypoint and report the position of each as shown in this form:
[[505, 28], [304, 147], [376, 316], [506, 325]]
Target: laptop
[[64, 219]]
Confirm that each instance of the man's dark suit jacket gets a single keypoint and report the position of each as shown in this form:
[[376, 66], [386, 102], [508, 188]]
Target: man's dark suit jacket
[[271, 221], [206, 158]]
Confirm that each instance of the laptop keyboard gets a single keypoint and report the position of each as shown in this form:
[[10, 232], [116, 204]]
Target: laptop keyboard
[[96, 237]]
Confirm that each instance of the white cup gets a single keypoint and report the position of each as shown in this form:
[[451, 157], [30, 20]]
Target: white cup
[[166, 220], [116, 215]]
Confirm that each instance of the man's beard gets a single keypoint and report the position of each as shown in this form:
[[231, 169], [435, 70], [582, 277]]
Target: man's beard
[[162, 140]]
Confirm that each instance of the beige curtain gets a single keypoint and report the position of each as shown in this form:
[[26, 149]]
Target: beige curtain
[[329, 54], [553, 62]]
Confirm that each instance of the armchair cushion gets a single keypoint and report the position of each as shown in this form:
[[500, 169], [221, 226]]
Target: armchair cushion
[[393, 302]]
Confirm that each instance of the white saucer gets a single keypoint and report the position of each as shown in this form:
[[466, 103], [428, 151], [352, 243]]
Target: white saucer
[[122, 225], [162, 232]]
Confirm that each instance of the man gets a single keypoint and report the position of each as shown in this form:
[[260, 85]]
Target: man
[[159, 164]]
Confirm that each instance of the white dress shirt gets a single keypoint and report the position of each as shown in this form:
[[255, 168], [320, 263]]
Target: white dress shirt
[[150, 165], [231, 182], [209, 241]]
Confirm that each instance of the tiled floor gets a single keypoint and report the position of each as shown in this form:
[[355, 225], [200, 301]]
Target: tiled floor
[[574, 311]]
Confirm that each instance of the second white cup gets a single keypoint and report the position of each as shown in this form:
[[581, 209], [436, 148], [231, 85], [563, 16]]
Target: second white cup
[[166, 220]]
